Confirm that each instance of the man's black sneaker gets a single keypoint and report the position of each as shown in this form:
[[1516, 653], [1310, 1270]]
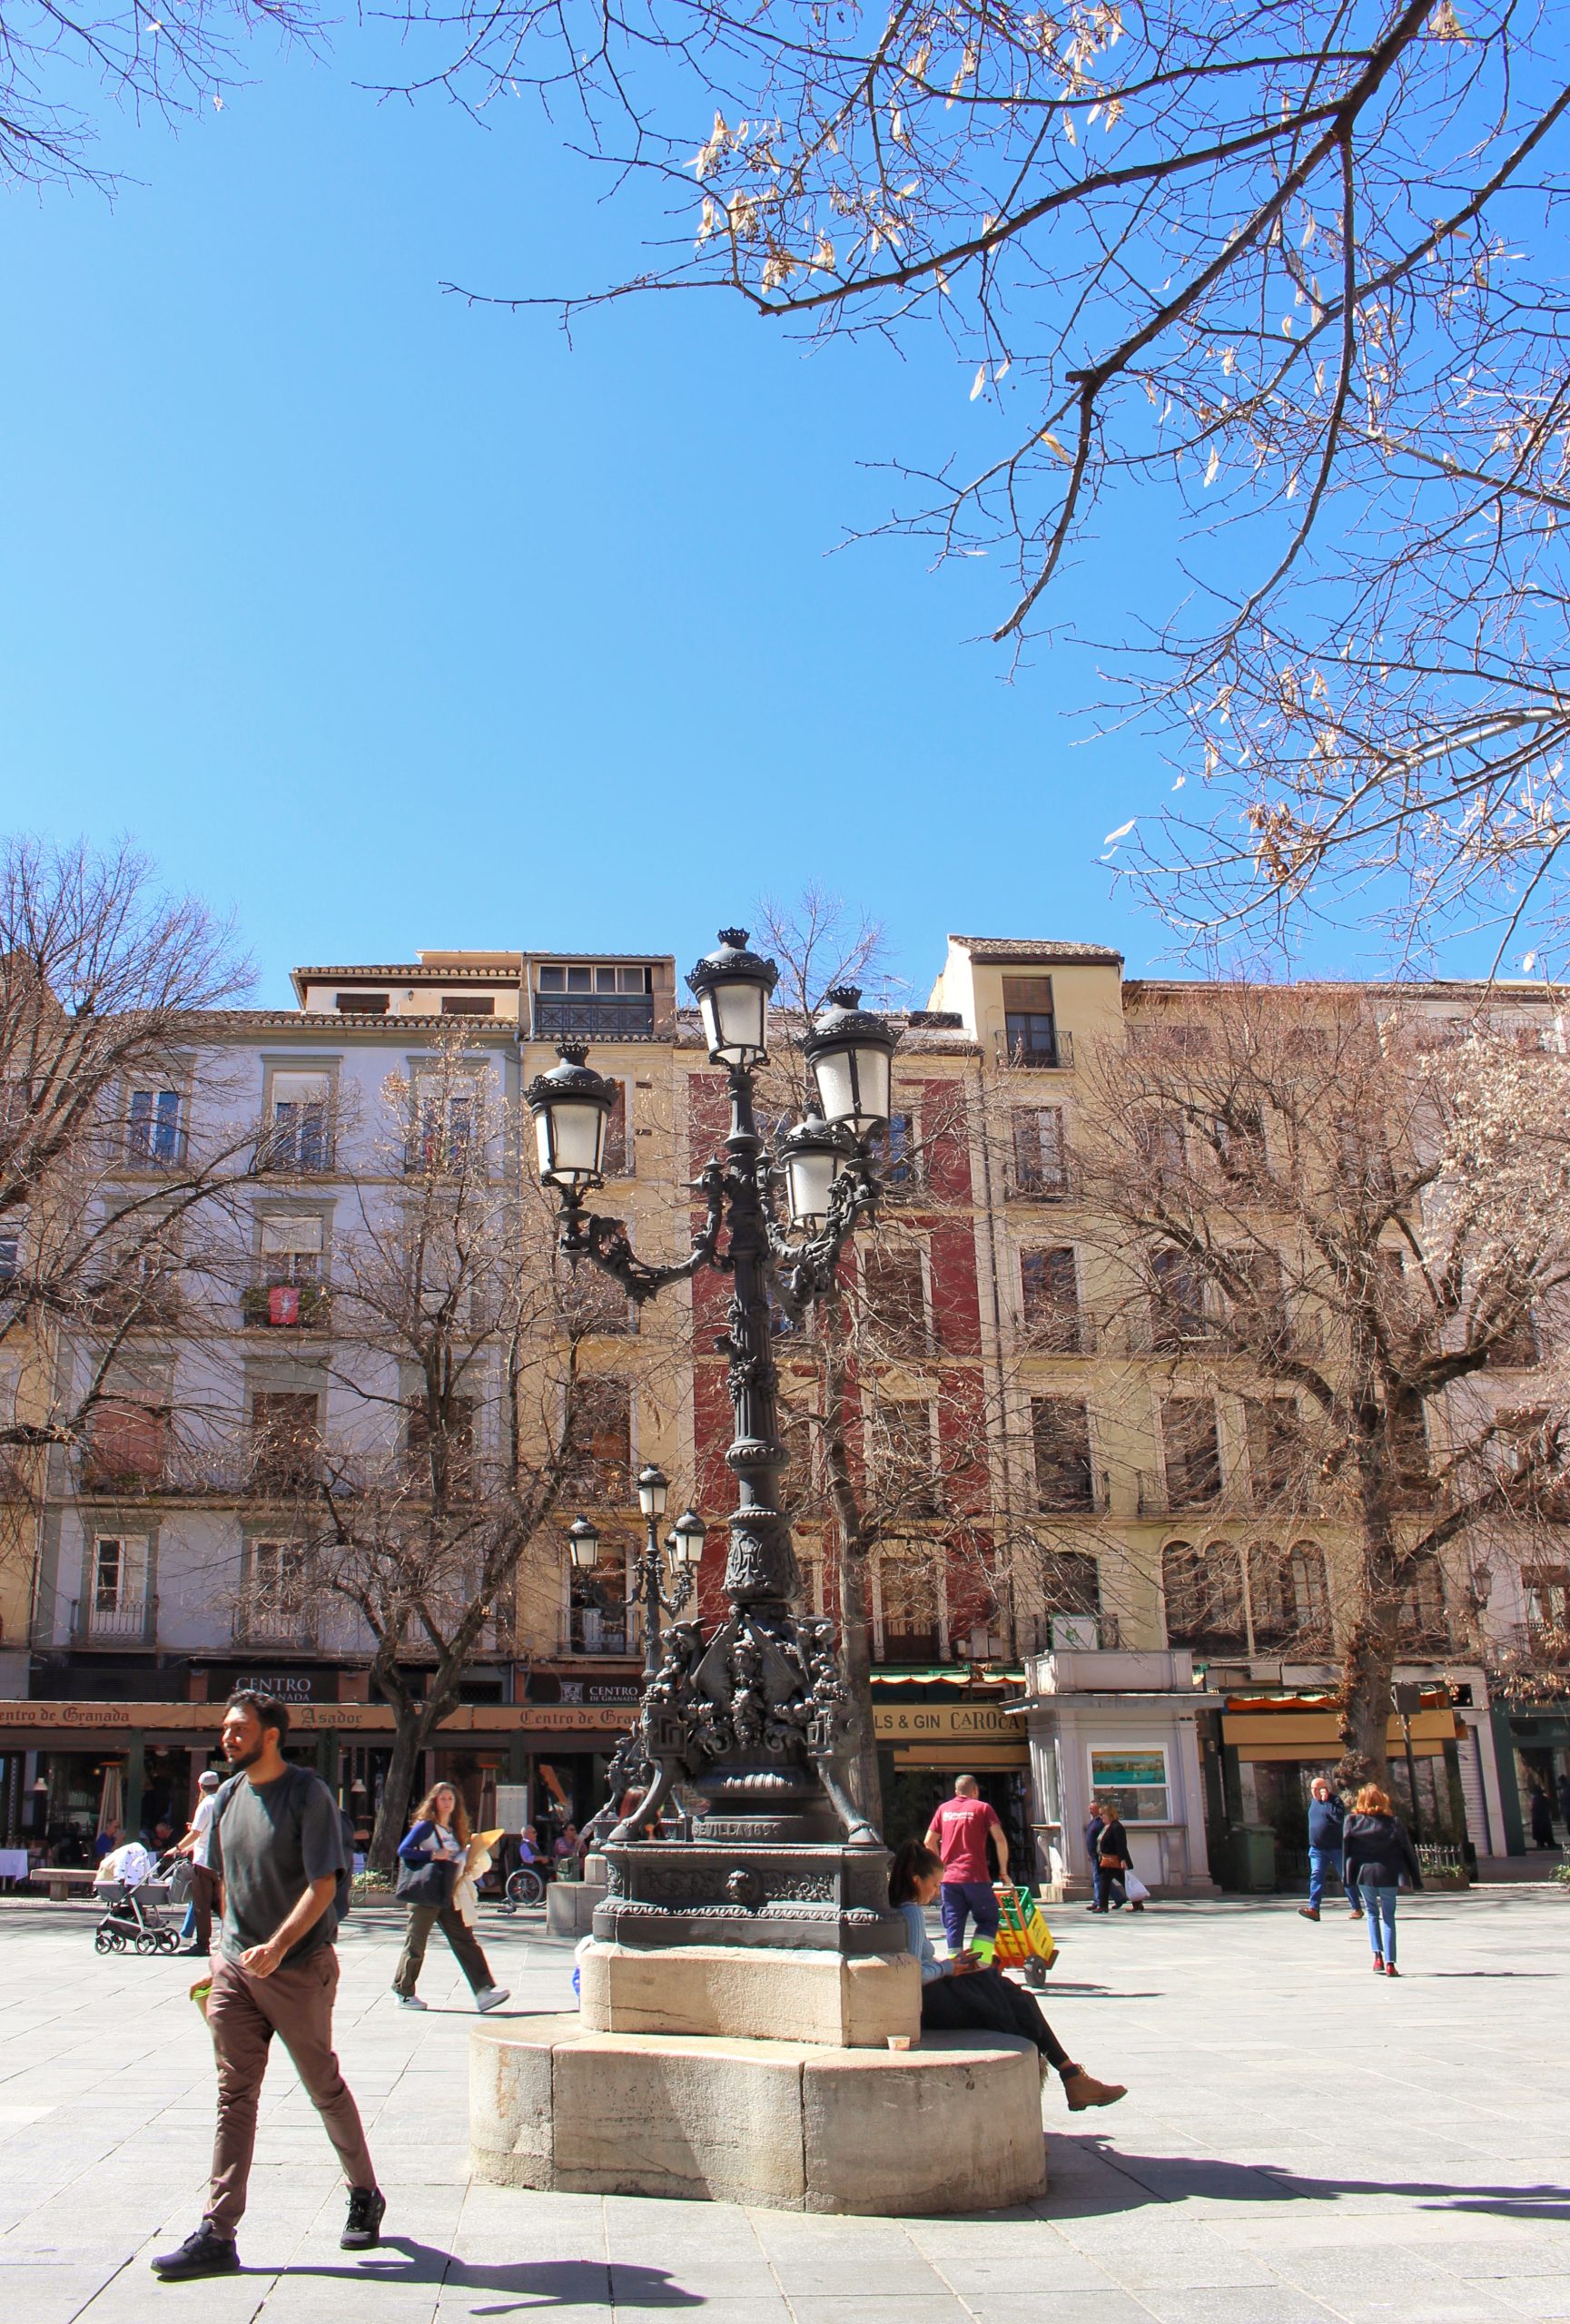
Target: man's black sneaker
[[362, 2228], [205, 2253]]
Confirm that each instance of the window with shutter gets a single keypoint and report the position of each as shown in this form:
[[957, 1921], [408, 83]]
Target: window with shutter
[[1192, 1450], [299, 1127], [1061, 1435], [1049, 1300]]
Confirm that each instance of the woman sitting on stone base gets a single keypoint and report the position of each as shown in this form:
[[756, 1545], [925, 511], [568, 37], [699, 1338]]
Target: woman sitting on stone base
[[963, 1994]]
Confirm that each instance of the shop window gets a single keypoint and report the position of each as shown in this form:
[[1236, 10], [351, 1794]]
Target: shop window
[[1134, 1782]]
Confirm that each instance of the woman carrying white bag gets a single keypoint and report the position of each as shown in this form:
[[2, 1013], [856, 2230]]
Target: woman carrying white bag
[[1113, 1862]]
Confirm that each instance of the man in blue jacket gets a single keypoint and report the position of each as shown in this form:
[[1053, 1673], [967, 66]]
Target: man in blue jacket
[[1326, 1817]]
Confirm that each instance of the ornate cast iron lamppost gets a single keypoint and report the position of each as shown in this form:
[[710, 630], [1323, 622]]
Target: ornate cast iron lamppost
[[748, 1715]]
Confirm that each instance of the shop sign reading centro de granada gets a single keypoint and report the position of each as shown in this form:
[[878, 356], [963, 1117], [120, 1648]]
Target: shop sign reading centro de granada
[[958, 1722]]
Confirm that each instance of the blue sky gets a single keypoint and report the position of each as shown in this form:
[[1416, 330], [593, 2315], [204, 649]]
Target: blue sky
[[389, 621]]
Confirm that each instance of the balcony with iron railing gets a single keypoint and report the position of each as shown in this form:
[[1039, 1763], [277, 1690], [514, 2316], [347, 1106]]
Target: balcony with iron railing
[[589, 1629], [1072, 1492], [273, 1306], [1047, 1052], [273, 1621], [95, 1621], [593, 1017]]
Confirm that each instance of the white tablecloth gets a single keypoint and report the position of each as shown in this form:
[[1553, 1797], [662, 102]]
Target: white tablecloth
[[13, 1864]]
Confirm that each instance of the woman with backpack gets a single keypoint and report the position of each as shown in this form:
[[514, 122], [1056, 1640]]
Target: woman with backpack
[[430, 1868], [1379, 1857]]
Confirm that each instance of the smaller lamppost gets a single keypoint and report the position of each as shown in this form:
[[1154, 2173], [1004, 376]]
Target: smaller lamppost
[[684, 1547]]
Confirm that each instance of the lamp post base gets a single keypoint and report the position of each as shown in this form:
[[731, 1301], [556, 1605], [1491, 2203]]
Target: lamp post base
[[713, 1890]]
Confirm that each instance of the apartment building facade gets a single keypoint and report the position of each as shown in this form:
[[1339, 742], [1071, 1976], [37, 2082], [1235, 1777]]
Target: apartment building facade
[[1034, 1618]]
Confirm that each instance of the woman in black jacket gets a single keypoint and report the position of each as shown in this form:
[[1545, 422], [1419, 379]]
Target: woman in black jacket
[[1113, 1861], [1379, 1857]]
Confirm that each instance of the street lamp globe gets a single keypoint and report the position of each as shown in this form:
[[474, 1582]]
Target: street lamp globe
[[570, 1105], [731, 986], [814, 1154], [653, 1485], [851, 1052], [689, 1535], [583, 1542]]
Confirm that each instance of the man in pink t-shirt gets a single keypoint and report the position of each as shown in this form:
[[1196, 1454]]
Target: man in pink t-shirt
[[959, 1833]]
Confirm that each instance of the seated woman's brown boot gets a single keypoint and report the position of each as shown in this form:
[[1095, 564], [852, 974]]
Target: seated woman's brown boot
[[1081, 2090]]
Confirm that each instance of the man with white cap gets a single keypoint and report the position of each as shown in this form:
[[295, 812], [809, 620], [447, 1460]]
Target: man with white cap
[[198, 1925]]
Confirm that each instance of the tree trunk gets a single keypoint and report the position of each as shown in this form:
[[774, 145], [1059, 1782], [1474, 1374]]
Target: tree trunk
[[860, 1755], [392, 1810], [1365, 1676]]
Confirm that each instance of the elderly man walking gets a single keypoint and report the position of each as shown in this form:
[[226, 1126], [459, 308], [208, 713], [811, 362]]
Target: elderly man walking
[[1326, 1818], [958, 1834]]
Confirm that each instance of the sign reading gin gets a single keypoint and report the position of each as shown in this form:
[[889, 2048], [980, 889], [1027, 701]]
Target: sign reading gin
[[920, 1722]]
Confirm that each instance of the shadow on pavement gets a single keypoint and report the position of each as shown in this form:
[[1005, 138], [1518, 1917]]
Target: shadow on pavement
[[533, 2283], [1177, 2178]]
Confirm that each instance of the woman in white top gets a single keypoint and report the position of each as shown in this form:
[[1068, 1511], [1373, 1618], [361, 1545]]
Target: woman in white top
[[960, 1995]]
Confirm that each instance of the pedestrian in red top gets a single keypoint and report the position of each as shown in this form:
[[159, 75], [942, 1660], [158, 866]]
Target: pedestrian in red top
[[959, 1834]]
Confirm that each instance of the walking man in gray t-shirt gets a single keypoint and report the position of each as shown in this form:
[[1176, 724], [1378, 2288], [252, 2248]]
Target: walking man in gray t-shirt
[[277, 1845]]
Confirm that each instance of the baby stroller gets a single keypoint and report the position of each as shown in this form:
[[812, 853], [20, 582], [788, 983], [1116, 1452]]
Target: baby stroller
[[136, 1913]]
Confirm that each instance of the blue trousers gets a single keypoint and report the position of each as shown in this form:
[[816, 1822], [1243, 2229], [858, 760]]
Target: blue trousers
[[1320, 1862], [1379, 1905], [958, 1899]]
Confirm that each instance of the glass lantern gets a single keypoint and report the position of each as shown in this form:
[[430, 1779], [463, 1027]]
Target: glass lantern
[[732, 987], [851, 1052], [814, 1154], [572, 1104]]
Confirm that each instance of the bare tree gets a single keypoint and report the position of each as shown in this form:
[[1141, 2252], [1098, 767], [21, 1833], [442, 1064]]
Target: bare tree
[[1349, 1231], [1298, 268], [57, 61], [120, 1152], [454, 1368]]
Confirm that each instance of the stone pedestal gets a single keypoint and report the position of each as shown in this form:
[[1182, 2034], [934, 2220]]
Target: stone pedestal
[[569, 1906], [723, 1888], [952, 2126], [847, 2001]]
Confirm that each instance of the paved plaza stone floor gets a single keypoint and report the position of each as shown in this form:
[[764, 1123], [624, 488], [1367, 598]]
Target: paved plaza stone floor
[[1299, 2142]]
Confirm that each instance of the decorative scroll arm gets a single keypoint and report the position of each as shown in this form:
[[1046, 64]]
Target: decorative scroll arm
[[605, 1243]]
